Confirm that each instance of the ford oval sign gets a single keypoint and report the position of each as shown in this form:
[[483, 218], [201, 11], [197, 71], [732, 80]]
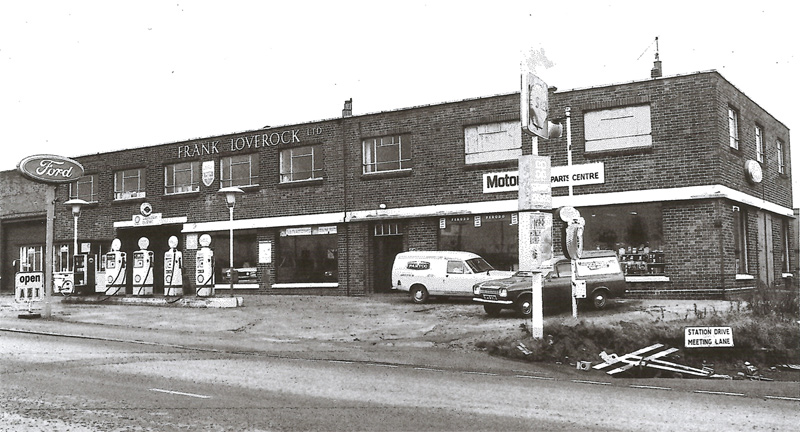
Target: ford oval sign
[[50, 169]]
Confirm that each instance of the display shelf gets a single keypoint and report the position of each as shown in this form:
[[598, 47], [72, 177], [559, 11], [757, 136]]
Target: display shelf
[[644, 263]]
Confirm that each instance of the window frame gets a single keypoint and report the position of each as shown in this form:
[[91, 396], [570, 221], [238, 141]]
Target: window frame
[[141, 183], [194, 177], [252, 161], [369, 161], [73, 194], [740, 242], [478, 151], [781, 157], [618, 128], [733, 128], [759, 136], [317, 163]]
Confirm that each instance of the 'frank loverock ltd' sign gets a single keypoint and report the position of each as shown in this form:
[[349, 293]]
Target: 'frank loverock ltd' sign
[[50, 169], [254, 141]]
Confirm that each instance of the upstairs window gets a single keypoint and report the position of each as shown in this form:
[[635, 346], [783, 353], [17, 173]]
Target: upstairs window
[[240, 170], [301, 163], [733, 128], [129, 184], [781, 159], [759, 144], [618, 128], [84, 188], [492, 142], [388, 153], [181, 178]]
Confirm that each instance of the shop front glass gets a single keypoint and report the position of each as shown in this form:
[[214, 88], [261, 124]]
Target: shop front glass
[[494, 237], [307, 255], [634, 231], [245, 257]]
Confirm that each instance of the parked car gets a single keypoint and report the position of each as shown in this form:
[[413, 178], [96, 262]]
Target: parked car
[[600, 269], [441, 273]]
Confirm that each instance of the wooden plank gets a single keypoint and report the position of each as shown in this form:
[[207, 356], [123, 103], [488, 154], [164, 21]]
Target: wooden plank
[[641, 361], [625, 357]]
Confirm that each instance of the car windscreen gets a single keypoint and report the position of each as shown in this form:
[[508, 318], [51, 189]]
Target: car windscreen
[[479, 265]]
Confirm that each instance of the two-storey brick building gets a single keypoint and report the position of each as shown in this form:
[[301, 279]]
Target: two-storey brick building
[[685, 176]]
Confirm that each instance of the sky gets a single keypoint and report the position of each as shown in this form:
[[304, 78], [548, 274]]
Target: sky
[[85, 77]]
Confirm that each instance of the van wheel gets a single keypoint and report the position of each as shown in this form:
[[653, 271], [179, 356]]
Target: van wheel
[[525, 307], [600, 299], [419, 294], [492, 310]]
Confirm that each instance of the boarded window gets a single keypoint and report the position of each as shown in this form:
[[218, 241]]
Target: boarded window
[[618, 128], [492, 142]]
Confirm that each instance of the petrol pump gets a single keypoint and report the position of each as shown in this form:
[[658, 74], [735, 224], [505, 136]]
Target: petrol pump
[[83, 273], [173, 266], [115, 270], [143, 269], [204, 272]]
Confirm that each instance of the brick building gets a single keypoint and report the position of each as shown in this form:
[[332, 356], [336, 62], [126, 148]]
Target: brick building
[[685, 176]]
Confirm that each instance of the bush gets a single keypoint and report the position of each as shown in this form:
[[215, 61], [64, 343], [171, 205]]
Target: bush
[[779, 303]]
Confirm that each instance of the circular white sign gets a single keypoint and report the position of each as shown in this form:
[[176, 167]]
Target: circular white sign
[[144, 242], [116, 244], [205, 240], [173, 242], [146, 209], [568, 214], [753, 169]]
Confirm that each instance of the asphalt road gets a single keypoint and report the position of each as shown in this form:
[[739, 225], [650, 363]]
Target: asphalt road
[[55, 383]]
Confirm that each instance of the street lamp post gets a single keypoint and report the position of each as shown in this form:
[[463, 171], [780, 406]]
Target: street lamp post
[[230, 199], [76, 204]]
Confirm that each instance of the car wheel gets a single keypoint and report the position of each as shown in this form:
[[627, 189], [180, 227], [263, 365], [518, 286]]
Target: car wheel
[[525, 307], [600, 299], [492, 310], [419, 294]]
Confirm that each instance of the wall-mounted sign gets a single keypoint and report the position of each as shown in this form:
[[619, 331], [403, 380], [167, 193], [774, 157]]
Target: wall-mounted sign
[[152, 219], [50, 169], [560, 176], [535, 192], [753, 171], [208, 172]]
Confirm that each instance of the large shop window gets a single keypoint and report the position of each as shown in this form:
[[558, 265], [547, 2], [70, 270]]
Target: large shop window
[[239, 170], [307, 255], [388, 153], [740, 239], [84, 188], [492, 142], [301, 163], [618, 128], [129, 184], [245, 257], [635, 232], [494, 237], [182, 177]]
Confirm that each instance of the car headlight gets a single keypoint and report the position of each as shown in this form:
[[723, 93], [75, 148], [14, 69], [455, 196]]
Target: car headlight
[[476, 289], [503, 292]]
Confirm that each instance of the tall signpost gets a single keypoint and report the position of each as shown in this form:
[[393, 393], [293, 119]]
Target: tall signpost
[[535, 194], [51, 170]]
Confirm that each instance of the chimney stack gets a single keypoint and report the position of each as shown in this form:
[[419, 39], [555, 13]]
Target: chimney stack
[[348, 108], [656, 71]]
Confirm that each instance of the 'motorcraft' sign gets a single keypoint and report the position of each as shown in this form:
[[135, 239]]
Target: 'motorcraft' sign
[[50, 169]]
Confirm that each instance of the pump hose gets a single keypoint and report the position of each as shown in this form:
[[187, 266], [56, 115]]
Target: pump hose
[[141, 287], [171, 277], [205, 284], [114, 282]]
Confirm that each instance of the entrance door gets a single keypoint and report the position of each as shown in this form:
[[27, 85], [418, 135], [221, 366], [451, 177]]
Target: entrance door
[[388, 240]]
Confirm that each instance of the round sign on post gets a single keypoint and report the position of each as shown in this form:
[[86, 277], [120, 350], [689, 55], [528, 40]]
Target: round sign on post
[[50, 169]]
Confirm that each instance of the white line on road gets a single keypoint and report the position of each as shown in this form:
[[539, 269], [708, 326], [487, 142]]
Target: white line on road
[[783, 398], [718, 393], [181, 393], [650, 387], [535, 377], [590, 382]]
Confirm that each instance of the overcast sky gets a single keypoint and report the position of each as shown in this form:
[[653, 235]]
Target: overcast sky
[[82, 77]]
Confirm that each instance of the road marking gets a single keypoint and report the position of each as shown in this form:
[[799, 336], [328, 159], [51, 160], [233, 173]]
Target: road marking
[[429, 369], [783, 398], [383, 365], [718, 393], [535, 377], [480, 373], [590, 382], [340, 361], [181, 393], [650, 387]]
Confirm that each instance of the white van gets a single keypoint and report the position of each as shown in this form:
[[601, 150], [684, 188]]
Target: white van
[[441, 273]]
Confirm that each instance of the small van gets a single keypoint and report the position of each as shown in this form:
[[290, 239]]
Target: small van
[[441, 273]]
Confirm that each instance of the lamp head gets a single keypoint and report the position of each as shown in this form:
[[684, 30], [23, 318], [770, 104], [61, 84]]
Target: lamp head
[[76, 205], [230, 195]]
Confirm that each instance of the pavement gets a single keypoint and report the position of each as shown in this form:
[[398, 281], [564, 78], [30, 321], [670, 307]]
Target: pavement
[[384, 329]]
